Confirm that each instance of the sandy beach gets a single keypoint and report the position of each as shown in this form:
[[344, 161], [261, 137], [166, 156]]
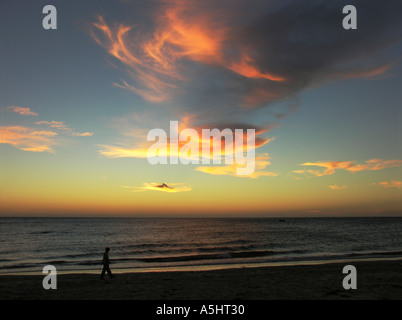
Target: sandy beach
[[375, 280]]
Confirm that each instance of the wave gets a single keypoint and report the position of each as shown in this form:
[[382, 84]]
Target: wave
[[43, 232], [214, 256], [363, 254], [168, 250]]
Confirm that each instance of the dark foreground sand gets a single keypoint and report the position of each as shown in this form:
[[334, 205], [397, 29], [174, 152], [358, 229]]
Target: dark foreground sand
[[375, 280]]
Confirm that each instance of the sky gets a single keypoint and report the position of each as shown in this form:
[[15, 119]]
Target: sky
[[77, 103]]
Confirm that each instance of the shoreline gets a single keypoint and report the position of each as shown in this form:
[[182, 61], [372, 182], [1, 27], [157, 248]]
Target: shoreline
[[201, 268], [376, 280]]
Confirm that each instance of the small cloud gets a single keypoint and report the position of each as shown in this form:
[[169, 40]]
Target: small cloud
[[391, 184], [172, 187], [260, 163], [54, 124], [336, 187], [60, 125], [109, 151], [299, 174], [84, 134], [23, 111]]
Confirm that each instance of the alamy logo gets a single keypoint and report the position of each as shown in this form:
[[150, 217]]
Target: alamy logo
[[50, 281], [203, 146], [350, 281], [349, 21], [50, 20]]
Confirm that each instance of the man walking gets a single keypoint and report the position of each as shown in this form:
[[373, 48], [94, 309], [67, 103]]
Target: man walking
[[105, 263]]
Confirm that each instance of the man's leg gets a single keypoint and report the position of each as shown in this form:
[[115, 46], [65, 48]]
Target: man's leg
[[103, 272], [109, 272]]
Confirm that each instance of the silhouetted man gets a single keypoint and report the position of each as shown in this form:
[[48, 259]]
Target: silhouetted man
[[105, 263]]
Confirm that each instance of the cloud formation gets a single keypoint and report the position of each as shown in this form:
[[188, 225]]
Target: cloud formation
[[28, 139], [336, 187], [221, 61], [256, 52], [217, 146], [60, 125], [183, 30], [163, 187], [34, 138], [330, 167], [391, 184], [23, 111], [260, 164]]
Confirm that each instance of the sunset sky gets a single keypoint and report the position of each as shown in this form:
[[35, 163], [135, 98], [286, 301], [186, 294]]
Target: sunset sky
[[76, 105]]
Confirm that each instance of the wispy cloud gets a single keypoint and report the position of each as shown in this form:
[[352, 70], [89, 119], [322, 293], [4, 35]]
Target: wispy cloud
[[83, 134], [336, 187], [373, 73], [163, 187], [390, 184], [23, 111], [260, 164], [28, 139], [113, 151], [255, 56], [34, 137], [330, 167], [184, 30], [60, 125]]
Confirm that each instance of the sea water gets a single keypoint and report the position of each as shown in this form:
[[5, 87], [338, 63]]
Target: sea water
[[77, 244]]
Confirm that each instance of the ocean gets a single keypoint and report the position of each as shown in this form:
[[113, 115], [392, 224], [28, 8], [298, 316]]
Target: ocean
[[77, 244]]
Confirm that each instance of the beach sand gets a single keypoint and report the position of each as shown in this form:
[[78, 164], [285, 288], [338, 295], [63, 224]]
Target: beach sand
[[375, 280]]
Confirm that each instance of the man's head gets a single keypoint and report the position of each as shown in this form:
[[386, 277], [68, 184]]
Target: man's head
[[107, 249]]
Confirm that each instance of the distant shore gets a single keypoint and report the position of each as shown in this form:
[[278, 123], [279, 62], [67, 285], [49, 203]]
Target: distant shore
[[375, 280]]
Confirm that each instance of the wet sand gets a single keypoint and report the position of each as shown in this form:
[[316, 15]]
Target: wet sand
[[375, 280]]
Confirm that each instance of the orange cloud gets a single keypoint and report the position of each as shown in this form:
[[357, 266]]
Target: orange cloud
[[336, 187], [195, 35], [231, 55], [261, 162], [28, 139], [184, 30], [351, 166], [149, 65], [163, 187], [376, 164], [391, 184], [245, 68], [23, 111], [217, 148], [34, 139], [217, 144]]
